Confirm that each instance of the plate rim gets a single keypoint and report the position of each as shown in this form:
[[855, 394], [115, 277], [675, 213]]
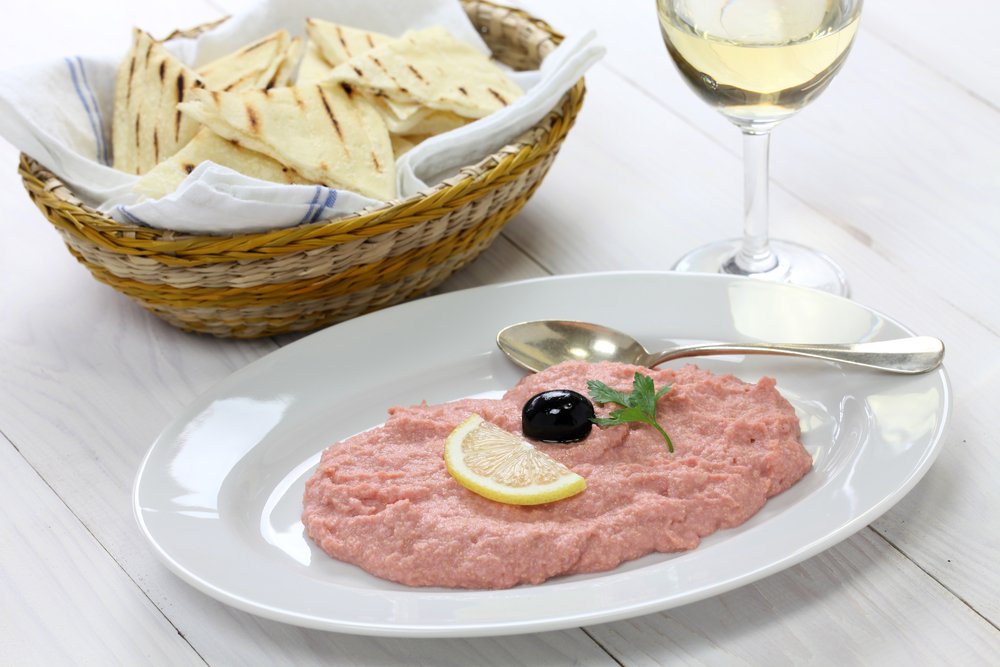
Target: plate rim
[[563, 621]]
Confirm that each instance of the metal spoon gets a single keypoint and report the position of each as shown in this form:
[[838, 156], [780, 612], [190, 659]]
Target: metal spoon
[[540, 344]]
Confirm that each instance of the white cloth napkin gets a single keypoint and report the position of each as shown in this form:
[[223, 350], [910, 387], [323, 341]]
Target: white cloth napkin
[[60, 114]]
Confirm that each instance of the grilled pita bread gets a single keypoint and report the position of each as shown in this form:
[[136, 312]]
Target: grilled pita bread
[[147, 127], [412, 118], [314, 67], [165, 177], [290, 61], [253, 66], [339, 43], [431, 68], [328, 133], [336, 44]]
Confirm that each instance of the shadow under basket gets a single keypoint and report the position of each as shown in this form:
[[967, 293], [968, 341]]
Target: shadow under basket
[[306, 277]]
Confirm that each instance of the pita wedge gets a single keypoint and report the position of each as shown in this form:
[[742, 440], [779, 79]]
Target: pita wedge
[[339, 43], [336, 44], [165, 177], [147, 127], [253, 66], [328, 133], [289, 63], [413, 118], [432, 68], [314, 67]]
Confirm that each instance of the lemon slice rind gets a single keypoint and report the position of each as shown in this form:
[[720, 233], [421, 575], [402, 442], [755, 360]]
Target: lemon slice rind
[[522, 455]]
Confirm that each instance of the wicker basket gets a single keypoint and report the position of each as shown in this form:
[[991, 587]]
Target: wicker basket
[[310, 276]]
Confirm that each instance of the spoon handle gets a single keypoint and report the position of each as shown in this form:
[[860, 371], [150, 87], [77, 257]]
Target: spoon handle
[[918, 354]]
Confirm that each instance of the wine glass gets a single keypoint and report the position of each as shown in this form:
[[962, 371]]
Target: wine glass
[[758, 62]]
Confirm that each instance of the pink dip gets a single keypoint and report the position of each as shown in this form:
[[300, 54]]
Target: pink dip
[[383, 499]]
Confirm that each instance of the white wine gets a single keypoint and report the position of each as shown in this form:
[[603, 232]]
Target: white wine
[[758, 61]]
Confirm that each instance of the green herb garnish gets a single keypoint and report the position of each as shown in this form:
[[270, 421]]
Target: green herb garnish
[[639, 406]]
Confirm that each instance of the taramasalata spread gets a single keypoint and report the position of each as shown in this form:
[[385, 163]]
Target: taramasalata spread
[[383, 499]]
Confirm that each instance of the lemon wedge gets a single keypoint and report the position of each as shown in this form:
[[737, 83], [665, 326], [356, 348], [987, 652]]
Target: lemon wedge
[[500, 466]]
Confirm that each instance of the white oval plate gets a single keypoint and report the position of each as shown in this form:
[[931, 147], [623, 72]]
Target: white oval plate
[[219, 493]]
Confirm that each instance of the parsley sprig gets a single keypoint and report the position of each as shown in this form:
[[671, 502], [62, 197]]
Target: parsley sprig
[[638, 406]]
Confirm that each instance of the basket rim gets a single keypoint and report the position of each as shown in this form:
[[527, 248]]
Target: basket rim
[[382, 218]]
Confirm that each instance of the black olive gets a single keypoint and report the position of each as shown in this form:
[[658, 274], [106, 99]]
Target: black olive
[[557, 415]]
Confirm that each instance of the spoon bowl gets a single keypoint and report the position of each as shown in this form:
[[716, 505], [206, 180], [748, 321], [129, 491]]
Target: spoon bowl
[[542, 343]]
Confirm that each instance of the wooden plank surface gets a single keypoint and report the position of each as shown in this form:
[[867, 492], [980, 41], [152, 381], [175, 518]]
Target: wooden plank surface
[[65, 601]]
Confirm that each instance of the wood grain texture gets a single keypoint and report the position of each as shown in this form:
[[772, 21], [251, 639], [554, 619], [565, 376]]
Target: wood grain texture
[[502, 262], [852, 605], [951, 43], [65, 601]]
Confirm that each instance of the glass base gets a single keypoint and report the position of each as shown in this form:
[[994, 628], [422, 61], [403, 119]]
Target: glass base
[[797, 265]]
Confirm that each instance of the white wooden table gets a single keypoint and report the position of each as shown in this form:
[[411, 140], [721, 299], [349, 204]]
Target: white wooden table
[[895, 172]]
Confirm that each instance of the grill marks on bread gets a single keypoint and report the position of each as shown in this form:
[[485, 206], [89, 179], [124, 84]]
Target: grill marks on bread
[[339, 43], [146, 126], [332, 116], [131, 74], [342, 41], [432, 69], [253, 118], [333, 130], [177, 113], [500, 98], [256, 45], [261, 64], [327, 133], [167, 176], [378, 63]]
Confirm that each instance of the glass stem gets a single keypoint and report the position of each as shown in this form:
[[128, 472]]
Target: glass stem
[[755, 254]]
